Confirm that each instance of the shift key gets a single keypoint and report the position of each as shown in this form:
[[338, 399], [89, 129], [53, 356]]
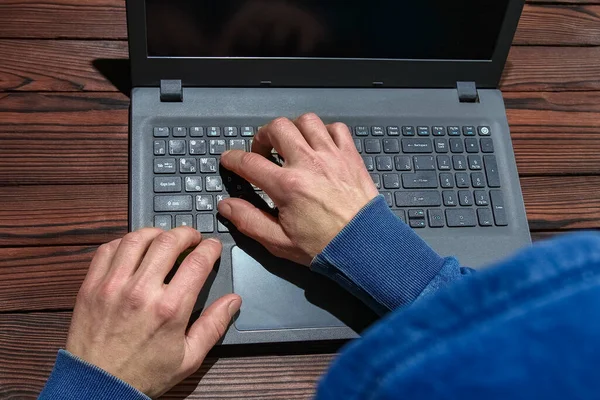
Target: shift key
[[172, 203], [420, 180]]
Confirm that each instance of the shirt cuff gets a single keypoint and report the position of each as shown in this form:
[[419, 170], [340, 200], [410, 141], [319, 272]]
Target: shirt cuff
[[380, 259], [74, 378]]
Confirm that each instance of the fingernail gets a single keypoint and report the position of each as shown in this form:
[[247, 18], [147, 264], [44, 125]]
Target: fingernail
[[224, 209], [234, 307], [225, 153], [213, 240]]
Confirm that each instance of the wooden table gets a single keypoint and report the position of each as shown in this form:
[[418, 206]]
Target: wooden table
[[63, 170]]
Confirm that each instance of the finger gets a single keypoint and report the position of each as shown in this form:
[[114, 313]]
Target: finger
[[254, 168], [341, 136], [314, 131], [163, 253], [101, 262], [189, 279], [130, 252], [209, 328], [255, 223], [283, 136]]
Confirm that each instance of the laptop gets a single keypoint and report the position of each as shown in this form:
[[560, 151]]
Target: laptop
[[415, 81]]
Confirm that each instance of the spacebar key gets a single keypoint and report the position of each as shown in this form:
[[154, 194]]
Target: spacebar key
[[418, 199], [173, 203]]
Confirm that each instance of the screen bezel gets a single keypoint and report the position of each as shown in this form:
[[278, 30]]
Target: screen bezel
[[311, 72]]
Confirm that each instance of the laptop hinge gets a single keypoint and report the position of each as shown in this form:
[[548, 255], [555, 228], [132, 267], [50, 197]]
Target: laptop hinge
[[467, 92], [171, 91]]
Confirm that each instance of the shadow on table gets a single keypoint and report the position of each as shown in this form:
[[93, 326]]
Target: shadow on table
[[117, 72]]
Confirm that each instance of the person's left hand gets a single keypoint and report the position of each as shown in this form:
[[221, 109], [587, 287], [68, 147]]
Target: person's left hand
[[131, 324]]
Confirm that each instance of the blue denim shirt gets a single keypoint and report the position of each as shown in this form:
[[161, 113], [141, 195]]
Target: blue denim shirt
[[525, 328]]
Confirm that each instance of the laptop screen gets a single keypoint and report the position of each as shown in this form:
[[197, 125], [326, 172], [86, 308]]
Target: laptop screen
[[339, 29]]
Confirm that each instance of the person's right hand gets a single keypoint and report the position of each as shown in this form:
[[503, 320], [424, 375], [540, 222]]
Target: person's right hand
[[321, 187]]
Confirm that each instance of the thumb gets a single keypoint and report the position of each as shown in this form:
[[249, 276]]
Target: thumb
[[208, 329]]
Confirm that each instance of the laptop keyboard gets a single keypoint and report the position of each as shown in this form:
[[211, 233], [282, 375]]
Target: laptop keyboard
[[431, 176]]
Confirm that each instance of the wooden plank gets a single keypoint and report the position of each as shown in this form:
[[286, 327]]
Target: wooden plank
[[69, 215], [541, 24], [75, 65], [29, 342]]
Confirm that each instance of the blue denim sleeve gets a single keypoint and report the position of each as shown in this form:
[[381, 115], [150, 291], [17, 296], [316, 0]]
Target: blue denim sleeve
[[382, 261], [73, 378]]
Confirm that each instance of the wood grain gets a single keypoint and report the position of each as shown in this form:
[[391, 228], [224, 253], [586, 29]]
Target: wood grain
[[541, 24], [76, 65], [29, 342]]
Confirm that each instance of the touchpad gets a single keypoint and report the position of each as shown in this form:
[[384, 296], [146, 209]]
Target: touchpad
[[276, 294]]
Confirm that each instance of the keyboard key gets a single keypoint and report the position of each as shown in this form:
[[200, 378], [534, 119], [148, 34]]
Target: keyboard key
[[369, 163], [193, 183], [222, 227], [268, 200], [391, 181], [377, 131], [162, 222], [160, 147], [417, 223], [164, 166], [416, 214], [376, 180], [217, 146], [424, 163], [213, 184], [420, 180], [418, 199], [446, 181], [230, 131], [400, 214], [487, 145], [475, 163], [161, 131], [436, 218], [441, 145], [391, 146], [208, 165], [205, 223], [237, 144], [477, 180], [484, 131], [213, 131], [172, 203], [184, 220], [423, 131], [167, 184], [384, 163], [179, 131], [472, 145], [361, 131], [459, 163], [393, 131], [247, 131], [177, 147], [411, 146], [491, 171], [403, 163], [372, 146], [484, 215], [461, 217], [187, 166], [221, 197], [358, 145], [449, 198], [469, 130], [498, 208], [443, 163], [408, 131], [462, 180], [465, 198], [388, 198], [481, 198], [196, 131], [439, 131], [456, 145], [204, 202], [197, 147], [453, 131]]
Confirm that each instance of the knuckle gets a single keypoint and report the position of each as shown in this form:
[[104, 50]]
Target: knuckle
[[309, 118], [133, 239], [135, 297], [108, 291], [167, 310], [199, 261], [290, 182], [339, 127], [108, 248], [280, 122], [247, 161], [167, 239]]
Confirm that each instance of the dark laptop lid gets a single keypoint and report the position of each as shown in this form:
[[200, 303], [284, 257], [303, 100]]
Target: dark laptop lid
[[321, 43]]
